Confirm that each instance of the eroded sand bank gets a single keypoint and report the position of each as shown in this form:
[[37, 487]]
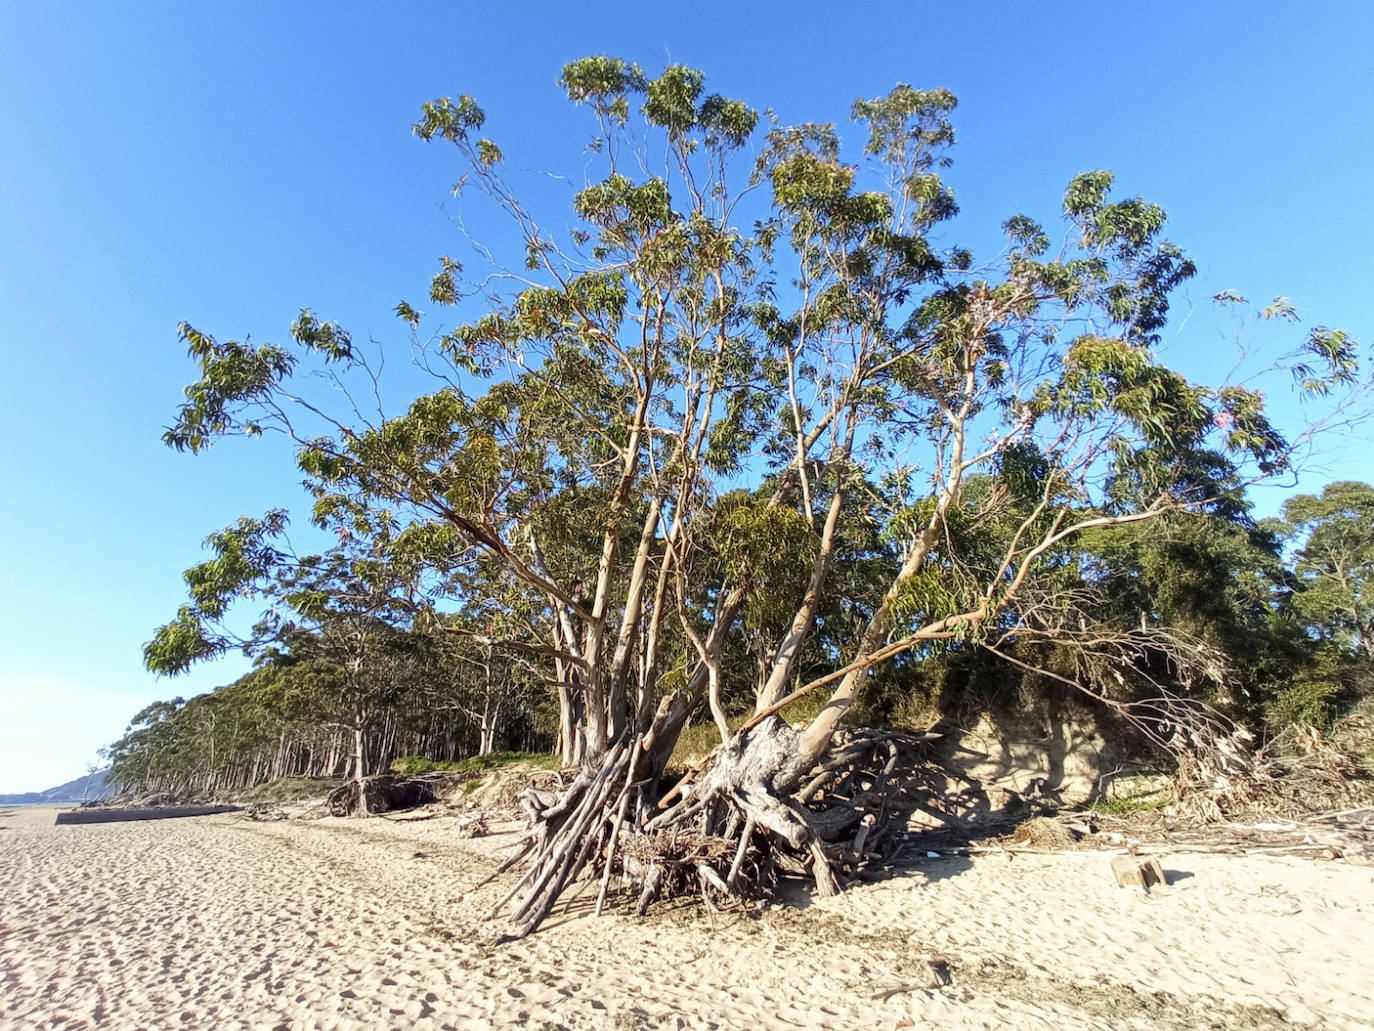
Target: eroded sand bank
[[221, 922]]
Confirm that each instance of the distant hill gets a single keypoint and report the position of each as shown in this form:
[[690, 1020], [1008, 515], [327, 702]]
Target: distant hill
[[90, 785]]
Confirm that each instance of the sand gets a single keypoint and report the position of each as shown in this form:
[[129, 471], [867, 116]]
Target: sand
[[221, 922]]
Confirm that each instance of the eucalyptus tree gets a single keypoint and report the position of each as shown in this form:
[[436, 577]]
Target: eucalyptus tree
[[669, 417], [1326, 607], [227, 739], [140, 757], [1333, 535]]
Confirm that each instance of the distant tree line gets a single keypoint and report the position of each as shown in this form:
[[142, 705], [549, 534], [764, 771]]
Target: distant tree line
[[294, 716], [1280, 606]]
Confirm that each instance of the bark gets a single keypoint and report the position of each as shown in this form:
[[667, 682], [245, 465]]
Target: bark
[[675, 710], [775, 686]]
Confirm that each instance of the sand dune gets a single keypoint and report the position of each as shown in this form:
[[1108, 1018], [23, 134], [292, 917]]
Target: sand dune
[[220, 922]]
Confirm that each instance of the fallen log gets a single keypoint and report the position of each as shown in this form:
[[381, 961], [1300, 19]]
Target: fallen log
[[166, 812]]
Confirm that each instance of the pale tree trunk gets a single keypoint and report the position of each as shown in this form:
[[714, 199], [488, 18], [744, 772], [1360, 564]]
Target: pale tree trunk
[[629, 623], [487, 729], [569, 674], [775, 686], [359, 773]]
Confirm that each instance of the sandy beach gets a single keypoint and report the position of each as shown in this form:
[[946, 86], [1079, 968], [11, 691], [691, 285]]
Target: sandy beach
[[222, 922]]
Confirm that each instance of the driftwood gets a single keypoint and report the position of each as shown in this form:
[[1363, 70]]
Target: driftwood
[[1342, 834], [1289, 778], [1141, 872], [268, 811], [747, 816], [1346, 835], [473, 825]]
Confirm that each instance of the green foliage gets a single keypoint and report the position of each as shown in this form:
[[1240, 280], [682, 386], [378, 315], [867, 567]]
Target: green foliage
[[1334, 561], [1335, 353], [180, 644], [1320, 692], [671, 99], [232, 374], [1120, 803], [727, 122], [1087, 192], [449, 120], [604, 83], [412, 765]]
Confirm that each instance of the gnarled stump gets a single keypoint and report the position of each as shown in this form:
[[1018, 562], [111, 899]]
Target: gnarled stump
[[384, 793]]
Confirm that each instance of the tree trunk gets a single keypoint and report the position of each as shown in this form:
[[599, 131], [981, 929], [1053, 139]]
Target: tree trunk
[[359, 775], [487, 728], [567, 727]]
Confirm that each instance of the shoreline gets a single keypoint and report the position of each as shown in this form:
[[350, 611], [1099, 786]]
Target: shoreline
[[368, 923]]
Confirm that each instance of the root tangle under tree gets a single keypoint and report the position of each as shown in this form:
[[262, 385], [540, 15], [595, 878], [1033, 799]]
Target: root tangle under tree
[[730, 830]]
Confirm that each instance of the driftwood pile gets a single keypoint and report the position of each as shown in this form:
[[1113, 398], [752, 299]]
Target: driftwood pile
[[1345, 834], [1324, 778], [266, 812], [1293, 776]]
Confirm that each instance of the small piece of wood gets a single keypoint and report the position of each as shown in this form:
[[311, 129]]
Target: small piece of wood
[[1137, 871], [865, 825], [739, 852], [610, 846], [650, 891], [709, 876]]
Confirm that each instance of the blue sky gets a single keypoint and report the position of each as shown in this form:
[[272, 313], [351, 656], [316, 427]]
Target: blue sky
[[232, 163]]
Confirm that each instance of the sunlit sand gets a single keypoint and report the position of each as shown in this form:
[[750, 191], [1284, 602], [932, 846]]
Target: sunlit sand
[[224, 922]]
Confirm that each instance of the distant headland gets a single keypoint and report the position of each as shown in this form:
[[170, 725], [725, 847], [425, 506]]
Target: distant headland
[[87, 786]]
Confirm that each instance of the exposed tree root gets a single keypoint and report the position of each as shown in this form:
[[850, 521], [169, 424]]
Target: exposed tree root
[[748, 818], [382, 794]]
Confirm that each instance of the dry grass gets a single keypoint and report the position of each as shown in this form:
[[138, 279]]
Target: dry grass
[[1354, 735], [1040, 832], [500, 788], [289, 789]]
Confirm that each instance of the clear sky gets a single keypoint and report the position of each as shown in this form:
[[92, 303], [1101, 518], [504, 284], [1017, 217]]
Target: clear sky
[[232, 163]]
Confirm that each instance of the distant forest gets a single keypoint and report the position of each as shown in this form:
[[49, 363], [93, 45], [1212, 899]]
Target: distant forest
[[1280, 606]]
